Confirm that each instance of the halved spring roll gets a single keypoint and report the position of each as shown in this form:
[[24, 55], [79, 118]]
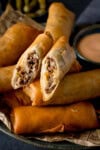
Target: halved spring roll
[[73, 88], [15, 41], [5, 78], [76, 117], [28, 65], [55, 65], [60, 21]]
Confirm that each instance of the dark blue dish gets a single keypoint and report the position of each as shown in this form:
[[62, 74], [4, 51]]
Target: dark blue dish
[[64, 145]]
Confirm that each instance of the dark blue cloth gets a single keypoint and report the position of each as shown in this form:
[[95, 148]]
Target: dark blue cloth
[[91, 14]]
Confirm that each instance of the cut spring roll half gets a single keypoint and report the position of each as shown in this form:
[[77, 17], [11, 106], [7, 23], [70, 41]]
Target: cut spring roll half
[[28, 66], [55, 65]]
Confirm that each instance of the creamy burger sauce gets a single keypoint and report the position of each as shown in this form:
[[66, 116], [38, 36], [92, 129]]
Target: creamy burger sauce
[[89, 47]]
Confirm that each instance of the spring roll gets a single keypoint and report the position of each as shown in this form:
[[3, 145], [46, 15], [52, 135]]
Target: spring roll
[[78, 87], [14, 42], [76, 117], [15, 98], [61, 57], [5, 78], [28, 66], [55, 65], [33, 91], [60, 21], [73, 88]]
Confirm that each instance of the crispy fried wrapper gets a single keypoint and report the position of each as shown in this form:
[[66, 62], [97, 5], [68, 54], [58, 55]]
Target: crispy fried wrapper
[[54, 119], [61, 56], [16, 98], [73, 88], [5, 78], [14, 42], [60, 21], [55, 65]]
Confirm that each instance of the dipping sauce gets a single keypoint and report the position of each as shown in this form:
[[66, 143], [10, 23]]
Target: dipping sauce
[[89, 47]]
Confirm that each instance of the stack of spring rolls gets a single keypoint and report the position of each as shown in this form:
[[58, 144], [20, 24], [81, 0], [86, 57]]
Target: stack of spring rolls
[[46, 89]]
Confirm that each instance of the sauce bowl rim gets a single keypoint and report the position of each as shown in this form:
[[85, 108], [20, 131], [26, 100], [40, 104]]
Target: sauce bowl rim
[[81, 34]]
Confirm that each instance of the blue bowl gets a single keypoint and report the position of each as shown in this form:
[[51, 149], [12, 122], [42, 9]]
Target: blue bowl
[[81, 34]]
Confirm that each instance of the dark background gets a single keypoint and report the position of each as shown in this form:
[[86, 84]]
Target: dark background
[[76, 6], [10, 143]]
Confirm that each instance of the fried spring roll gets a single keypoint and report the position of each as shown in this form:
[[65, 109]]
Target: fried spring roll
[[28, 66], [76, 117], [14, 42], [78, 87], [55, 65], [5, 78], [60, 21], [33, 91], [61, 57], [73, 88], [16, 98]]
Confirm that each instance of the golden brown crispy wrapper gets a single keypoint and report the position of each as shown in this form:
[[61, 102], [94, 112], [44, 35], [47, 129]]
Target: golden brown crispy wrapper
[[5, 78], [60, 21], [78, 87], [61, 58], [76, 117], [16, 98], [73, 88], [15, 41], [33, 91], [55, 65]]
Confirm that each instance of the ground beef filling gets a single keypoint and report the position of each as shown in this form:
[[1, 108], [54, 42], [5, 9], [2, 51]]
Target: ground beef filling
[[25, 76], [33, 62], [51, 68]]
